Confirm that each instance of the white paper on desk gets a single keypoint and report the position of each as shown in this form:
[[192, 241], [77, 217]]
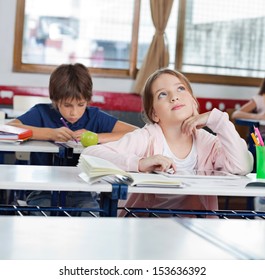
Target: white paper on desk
[[12, 142], [71, 144]]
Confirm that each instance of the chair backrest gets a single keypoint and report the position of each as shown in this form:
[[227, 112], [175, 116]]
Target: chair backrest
[[25, 102], [242, 130], [2, 115]]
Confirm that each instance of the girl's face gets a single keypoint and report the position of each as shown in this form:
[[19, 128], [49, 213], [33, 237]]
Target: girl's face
[[72, 109], [173, 103]]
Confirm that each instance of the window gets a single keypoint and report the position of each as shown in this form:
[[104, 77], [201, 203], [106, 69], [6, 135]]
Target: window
[[112, 37], [223, 39], [97, 33]]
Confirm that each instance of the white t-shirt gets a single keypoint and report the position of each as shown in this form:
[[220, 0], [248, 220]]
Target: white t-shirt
[[188, 163]]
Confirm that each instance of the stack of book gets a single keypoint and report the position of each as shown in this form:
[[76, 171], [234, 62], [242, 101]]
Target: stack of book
[[9, 133]]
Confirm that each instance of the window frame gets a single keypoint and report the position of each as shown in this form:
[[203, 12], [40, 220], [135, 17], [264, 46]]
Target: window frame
[[18, 66]]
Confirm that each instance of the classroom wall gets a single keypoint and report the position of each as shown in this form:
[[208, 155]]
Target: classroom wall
[[221, 96]]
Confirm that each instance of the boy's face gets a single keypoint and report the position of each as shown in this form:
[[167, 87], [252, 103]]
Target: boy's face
[[72, 109]]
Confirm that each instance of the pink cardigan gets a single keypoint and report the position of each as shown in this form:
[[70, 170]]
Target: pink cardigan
[[225, 151]]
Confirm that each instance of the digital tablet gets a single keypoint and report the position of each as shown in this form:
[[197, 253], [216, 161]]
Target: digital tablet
[[200, 174]]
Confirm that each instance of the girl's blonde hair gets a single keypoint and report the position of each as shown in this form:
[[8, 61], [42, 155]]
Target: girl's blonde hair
[[148, 98]]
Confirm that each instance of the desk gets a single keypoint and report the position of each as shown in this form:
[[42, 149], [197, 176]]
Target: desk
[[30, 146], [40, 146], [214, 187], [22, 151], [65, 178], [219, 187], [36, 238], [56, 178], [249, 122]]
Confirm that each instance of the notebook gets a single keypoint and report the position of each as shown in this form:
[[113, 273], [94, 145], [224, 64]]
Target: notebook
[[9, 132], [95, 169]]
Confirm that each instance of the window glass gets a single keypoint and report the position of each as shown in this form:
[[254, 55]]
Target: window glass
[[96, 33], [216, 41], [225, 37]]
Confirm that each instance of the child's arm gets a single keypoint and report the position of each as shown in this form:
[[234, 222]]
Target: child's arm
[[231, 151], [156, 163], [125, 152], [246, 112], [118, 131], [61, 134]]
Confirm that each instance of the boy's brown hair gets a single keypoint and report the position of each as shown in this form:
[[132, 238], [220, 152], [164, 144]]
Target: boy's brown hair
[[70, 81]]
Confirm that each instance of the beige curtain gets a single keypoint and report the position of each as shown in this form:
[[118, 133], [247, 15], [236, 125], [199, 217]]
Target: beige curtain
[[158, 54]]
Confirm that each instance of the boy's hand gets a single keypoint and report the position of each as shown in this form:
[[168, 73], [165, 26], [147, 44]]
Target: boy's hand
[[62, 134], [78, 133], [156, 163]]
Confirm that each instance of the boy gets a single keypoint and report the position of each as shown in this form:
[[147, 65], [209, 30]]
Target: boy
[[70, 90]]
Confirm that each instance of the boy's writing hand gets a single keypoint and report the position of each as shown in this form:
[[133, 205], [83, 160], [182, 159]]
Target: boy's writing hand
[[78, 133], [62, 134], [156, 163]]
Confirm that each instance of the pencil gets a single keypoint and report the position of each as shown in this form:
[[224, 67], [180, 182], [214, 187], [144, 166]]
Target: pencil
[[65, 124], [257, 132], [254, 139]]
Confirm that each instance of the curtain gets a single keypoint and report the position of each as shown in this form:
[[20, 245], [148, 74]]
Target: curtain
[[158, 54]]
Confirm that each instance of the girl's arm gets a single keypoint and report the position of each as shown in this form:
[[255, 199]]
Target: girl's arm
[[118, 131], [133, 152], [125, 152], [246, 111], [231, 151]]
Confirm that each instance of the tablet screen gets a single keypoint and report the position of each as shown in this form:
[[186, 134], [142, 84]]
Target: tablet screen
[[200, 173]]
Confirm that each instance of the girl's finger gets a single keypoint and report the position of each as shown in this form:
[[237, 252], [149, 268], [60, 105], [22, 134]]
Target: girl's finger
[[195, 110]]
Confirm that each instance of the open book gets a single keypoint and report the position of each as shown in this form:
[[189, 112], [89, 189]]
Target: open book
[[94, 169], [13, 133]]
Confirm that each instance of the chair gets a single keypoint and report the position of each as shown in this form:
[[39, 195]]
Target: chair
[[22, 103], [2, 115]]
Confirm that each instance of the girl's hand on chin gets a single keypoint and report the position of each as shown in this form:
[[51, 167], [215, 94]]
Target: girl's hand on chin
[[196, 121]]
